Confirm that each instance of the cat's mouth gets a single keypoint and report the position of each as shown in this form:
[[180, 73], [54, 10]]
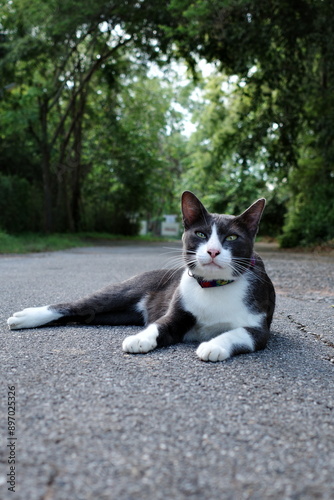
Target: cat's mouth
[[212, 265], [213, 270]]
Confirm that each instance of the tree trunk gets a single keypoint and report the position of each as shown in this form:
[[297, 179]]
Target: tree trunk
[[46, 168], [77, 147]]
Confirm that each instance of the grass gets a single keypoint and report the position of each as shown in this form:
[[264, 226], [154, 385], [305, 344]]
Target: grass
[[37, 243], [31, 242], [26, 243]]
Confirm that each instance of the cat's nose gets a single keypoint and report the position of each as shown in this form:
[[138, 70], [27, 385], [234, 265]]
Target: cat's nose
[[213, 252]]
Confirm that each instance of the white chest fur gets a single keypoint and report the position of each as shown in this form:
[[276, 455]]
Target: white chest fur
[[217, 309]]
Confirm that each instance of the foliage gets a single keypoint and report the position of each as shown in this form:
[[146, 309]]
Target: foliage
[[90, 141], [20, 204], [34, 242], [311, 210], [31, 242], [282, 54], [224, 168], [133, 171], [52, 51]]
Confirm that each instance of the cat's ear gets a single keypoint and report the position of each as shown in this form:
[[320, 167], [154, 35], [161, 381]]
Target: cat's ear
[[192, 209], [252, 216]]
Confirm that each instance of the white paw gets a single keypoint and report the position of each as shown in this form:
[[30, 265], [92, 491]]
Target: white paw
[[143, 342], [32, 317], [209, 351]]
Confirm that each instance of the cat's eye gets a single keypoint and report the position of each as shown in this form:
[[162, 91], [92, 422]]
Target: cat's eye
[[232, 237], [200, 234]]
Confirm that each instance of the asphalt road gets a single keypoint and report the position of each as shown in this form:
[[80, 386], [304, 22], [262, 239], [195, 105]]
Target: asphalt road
[[95, 423]]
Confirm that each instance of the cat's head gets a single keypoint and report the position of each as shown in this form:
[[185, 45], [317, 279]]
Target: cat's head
[[218, 246]]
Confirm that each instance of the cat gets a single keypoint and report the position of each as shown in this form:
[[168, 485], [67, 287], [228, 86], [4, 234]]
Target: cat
[[221, 296]]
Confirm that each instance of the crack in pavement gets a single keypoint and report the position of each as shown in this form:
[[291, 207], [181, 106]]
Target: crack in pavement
[[50, 484], [318, 336]]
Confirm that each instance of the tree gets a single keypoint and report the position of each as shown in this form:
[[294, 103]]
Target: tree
[[52, 51], [276, 127], [135, 151], [282, 53], [223, 166]]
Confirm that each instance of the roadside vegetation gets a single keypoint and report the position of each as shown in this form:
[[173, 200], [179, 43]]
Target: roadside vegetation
[[26, 243], [31, 242]]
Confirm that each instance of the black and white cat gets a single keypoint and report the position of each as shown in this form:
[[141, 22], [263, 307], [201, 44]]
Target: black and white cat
[[222, 296]]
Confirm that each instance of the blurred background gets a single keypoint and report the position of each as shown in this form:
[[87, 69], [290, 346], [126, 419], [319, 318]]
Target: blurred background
[[110, 109]]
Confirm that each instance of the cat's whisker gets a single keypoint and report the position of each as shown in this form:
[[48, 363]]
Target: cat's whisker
[[238, 272], [193, 261], [180, 261], [171, 257], [173, 272], [178, 249], [179, 254], [175, 252], [175, 258], [240, 269], [174, 265]]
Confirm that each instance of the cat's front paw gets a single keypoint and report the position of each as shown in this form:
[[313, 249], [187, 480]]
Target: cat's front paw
[[210, 351], [143, 342]]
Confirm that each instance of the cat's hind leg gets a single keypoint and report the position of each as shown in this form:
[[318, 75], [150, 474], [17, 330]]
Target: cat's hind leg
[[113, 305], [33, 317]]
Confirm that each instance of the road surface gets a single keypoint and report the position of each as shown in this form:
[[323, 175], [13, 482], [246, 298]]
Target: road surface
[[94, 423]]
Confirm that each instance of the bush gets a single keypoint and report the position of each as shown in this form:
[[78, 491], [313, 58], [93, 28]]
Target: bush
[[103, 218], [310, 218], [20, 205]]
